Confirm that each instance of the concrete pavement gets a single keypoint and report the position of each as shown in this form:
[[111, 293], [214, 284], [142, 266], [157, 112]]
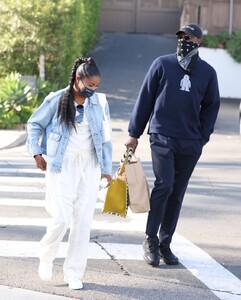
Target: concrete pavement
[[12, 138], [11, 293]]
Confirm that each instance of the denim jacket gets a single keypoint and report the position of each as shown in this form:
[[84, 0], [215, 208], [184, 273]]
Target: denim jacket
[[47, 136]]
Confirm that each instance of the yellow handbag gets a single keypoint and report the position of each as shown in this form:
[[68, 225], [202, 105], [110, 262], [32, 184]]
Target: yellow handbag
[[116, 200]]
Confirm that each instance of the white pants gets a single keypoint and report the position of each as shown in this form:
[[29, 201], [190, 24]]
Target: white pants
[[70, 199]]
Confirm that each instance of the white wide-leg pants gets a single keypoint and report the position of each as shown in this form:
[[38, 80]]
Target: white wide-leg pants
[[70, 200]]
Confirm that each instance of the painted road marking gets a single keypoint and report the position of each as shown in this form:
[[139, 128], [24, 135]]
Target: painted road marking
[[22, 180], [22, 189], [21, 202], [22, 171], [30, 249], [219, 280], [106, 223], [31, 203]]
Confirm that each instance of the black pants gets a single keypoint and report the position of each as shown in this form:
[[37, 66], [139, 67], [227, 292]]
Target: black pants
[[173, 162]]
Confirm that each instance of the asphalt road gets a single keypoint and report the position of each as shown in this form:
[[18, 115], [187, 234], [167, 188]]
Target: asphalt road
[[208, 234]]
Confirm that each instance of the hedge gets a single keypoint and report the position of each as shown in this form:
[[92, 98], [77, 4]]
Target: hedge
[[61, 30], [231, 43]]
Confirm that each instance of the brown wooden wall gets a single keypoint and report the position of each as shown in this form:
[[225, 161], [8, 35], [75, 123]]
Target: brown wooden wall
[[212, 15]]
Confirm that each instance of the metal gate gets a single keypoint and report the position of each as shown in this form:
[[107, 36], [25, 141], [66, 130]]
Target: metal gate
[[140, 16]]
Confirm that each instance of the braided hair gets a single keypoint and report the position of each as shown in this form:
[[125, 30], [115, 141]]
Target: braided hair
[[83, 67]]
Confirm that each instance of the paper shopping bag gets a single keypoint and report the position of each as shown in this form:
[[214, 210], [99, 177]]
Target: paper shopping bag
[[138, 189]]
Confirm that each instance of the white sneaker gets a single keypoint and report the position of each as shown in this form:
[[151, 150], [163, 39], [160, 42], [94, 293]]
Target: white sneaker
[[45, 271], [74, 283]]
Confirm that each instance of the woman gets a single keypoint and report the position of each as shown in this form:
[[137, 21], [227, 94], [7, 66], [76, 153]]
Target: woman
[[70, 122]]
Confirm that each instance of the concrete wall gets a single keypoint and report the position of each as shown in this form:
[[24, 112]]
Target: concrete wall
[[228, 71]]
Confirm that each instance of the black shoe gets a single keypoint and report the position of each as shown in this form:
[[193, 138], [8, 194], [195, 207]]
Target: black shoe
[[151, 251], [167, 256]]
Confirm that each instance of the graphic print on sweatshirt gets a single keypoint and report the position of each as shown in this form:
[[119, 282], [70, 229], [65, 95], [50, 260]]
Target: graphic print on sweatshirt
[[185, 83]]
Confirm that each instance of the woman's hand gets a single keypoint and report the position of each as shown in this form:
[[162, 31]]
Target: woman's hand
[[40, 162], [108, 178]]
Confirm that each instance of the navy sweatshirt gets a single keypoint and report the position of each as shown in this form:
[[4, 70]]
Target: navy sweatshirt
[[176, 103]]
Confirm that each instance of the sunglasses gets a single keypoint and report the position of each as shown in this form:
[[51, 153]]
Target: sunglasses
[[184, 37]]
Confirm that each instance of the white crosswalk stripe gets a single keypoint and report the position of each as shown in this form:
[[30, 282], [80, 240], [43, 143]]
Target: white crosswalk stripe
[[219, 280], [28, 189]]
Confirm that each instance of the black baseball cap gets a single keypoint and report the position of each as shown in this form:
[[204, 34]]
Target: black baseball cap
[[191, 29]]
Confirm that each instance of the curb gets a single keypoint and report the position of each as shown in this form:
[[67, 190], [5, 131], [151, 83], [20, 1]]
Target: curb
[[21, 140]]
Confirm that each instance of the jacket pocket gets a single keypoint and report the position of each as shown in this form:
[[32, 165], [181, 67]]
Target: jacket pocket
[[52, 143]]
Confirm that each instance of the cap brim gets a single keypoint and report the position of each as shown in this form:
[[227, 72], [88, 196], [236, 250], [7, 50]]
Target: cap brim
[[184, 31], [189, 33]]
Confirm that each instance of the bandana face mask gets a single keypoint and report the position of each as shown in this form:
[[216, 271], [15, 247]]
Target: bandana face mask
[[186, 50]]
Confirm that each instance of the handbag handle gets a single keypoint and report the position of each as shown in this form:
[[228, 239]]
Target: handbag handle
[[125, 160]]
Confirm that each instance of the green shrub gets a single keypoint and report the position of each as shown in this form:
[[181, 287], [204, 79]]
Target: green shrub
[[234, 46], [15, 97], [43, 88], [210, 41], [24, 113], [223, 38], [232, 43]]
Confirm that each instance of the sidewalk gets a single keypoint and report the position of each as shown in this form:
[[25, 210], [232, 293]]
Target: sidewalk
[[12, 138], [21, 294]]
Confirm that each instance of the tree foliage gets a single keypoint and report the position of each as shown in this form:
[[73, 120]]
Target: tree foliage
[[61, 30]]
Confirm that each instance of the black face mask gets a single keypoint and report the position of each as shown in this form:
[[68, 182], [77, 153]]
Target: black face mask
[[186, 53], [185, 47], [86, 92]]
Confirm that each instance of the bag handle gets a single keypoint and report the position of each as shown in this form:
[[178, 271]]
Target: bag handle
[[125, 160], [127, 156]]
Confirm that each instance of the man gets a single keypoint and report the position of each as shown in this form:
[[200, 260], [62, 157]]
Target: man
[[180, 99]]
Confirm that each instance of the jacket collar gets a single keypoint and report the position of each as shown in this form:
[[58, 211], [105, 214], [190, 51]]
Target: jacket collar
[[94, 99]]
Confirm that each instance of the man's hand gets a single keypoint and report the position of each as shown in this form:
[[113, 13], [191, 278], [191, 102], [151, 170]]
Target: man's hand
[[132, 143], [40, 162]]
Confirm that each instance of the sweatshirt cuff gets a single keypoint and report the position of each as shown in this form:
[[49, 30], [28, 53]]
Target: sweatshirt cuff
[[136, 136]]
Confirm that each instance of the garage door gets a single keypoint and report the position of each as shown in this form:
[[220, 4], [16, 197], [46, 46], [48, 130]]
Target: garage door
[[140, 16]]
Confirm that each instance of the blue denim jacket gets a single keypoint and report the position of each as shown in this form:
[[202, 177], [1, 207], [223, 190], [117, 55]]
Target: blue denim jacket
[[47, 136]]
